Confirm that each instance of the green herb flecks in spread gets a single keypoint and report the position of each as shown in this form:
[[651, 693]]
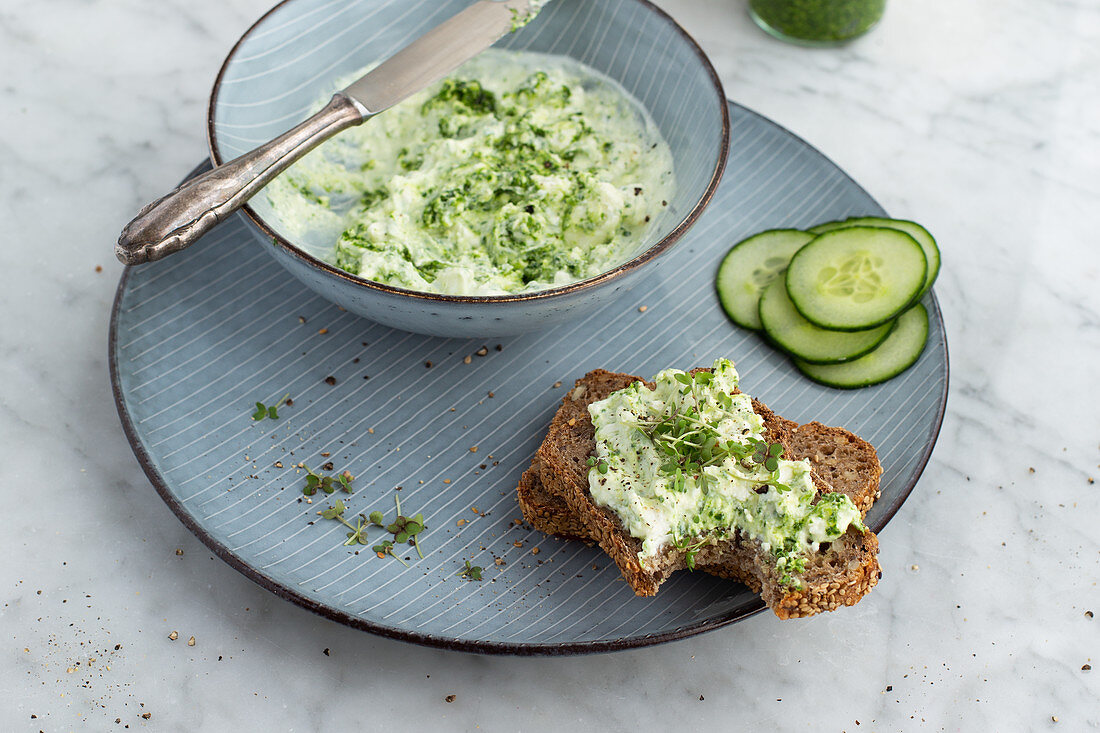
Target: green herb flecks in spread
[[520, 19], [685, 465], [519, 172]]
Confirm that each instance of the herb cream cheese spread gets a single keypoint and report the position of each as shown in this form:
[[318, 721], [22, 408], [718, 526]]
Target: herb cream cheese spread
[[685, 464], [519, 172], [520, 19]]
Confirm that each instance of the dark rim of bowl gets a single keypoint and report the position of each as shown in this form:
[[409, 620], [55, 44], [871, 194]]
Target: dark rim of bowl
[[648, 254]]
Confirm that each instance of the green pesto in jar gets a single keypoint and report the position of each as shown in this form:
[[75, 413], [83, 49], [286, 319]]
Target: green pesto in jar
[[818, 21]]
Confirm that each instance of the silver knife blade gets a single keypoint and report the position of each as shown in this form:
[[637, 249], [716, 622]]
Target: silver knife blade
[[437, 53]]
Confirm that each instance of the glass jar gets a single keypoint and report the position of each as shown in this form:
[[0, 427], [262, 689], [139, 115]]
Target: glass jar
[[817, 22]]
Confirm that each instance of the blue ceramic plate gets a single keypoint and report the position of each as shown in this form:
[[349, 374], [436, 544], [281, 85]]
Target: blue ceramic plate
[[198, 338]]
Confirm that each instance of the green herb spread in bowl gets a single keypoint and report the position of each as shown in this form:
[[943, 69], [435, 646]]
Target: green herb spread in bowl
[[519, 172], [511, 198]]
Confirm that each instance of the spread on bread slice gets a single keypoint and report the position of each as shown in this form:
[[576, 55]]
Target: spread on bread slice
[[687, 482]]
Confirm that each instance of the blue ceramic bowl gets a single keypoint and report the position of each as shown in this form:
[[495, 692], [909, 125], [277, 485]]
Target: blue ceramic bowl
[[277, 70]]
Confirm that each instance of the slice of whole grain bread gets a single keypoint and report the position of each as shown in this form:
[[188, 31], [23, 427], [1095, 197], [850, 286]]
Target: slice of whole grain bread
[[554, 496], [822, 589], [842, 459]]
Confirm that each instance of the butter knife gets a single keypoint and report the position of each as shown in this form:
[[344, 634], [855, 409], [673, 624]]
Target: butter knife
[[178, 219]]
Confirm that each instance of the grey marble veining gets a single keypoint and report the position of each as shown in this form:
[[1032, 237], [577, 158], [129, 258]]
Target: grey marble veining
[[980, 119]]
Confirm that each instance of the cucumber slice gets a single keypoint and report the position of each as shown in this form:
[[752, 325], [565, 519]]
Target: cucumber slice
[[893, 356], [827, 226], [856, 278], [798, 337], [750, 266], [926, 241]]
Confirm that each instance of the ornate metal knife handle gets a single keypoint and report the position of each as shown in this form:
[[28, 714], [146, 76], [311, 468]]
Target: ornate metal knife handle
[[177, 220]]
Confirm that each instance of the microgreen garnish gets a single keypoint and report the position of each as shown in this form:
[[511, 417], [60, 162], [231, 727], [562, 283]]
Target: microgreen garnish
[[386, 548], [470, 572], [327, 484], [357, 535], [692, 548], [271, 411], [767, 454], [688, 444], [599, 464], [336, 511], [404, 528]]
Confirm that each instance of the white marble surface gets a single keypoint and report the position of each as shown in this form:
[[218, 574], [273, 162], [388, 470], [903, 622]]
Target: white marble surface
[[980, 118]]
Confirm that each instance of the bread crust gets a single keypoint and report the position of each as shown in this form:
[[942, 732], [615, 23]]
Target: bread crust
[[554, 497]]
